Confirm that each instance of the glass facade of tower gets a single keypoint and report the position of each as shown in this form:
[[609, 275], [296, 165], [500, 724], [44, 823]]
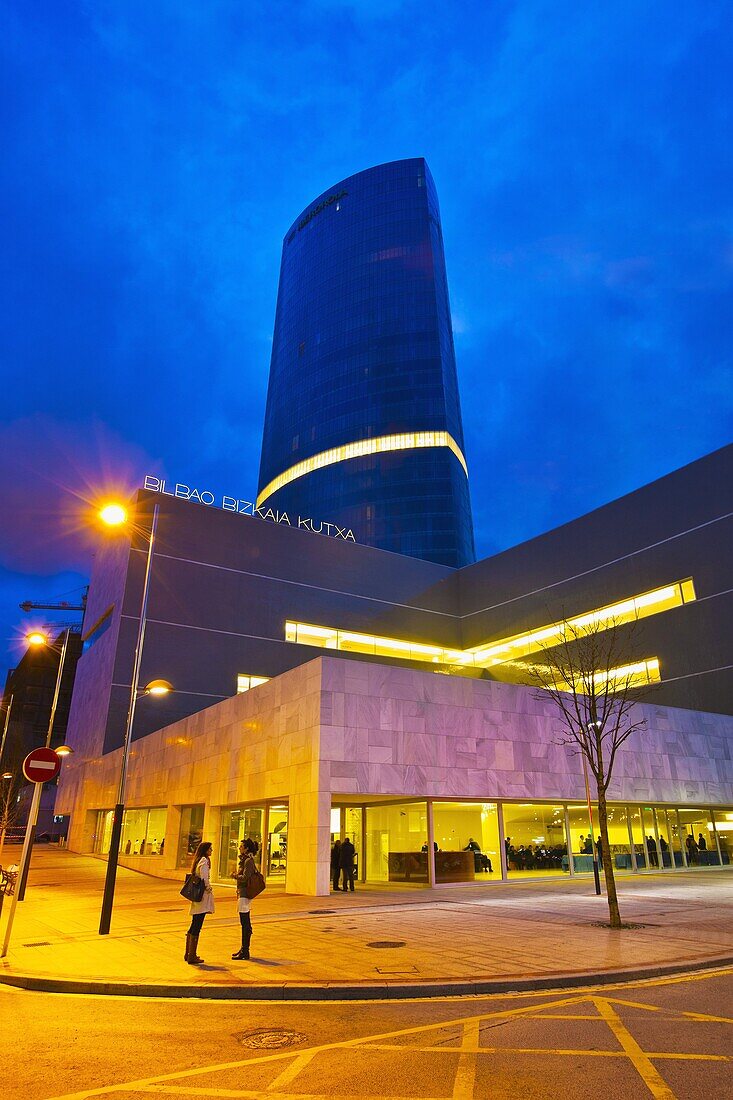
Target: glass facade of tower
[[363, 424]]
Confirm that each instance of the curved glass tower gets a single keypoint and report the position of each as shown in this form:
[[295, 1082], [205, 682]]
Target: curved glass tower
[[363, 424]]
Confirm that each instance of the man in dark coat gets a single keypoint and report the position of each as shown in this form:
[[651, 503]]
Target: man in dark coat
[[336, 863], [346, 859]]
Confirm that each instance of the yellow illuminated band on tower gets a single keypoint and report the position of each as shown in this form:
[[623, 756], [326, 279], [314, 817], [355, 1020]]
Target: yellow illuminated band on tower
[[381, 444], [503, 650]]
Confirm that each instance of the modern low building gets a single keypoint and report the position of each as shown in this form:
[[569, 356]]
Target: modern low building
[[324, 687], [363, 424]]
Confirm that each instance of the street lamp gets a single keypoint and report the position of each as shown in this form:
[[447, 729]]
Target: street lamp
[[593, 846], [39, 639], [114, 515]]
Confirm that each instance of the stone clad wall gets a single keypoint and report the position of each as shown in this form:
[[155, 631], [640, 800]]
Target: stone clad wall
[[394, 731], [352, 728], [260, 745]]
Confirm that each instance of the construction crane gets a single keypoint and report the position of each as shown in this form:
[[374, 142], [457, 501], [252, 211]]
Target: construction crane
[[63, 605]]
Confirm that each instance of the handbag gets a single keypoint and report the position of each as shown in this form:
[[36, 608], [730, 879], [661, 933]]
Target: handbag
[[193, 888], [254, 885]]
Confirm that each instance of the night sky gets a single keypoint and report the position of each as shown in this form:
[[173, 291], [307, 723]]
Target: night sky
[[154, 154]]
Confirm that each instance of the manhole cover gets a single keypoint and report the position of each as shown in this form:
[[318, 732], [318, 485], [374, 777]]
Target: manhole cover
[[388, 943], [271, 1038]]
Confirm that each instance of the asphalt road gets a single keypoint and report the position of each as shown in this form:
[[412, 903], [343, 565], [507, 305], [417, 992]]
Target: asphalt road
[[670, 1038]]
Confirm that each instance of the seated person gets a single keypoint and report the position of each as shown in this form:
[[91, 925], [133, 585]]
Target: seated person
[[482, 862]]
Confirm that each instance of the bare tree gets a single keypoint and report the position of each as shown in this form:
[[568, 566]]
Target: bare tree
[[590, 675], [10, 808]]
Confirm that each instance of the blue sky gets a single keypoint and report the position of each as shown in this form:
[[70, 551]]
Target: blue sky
[[155, 153]]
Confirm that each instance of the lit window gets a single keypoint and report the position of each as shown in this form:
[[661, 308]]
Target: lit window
[[503, 650], [244, 683]]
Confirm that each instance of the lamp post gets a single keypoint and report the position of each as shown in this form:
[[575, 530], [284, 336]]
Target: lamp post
[[593, 846], [38, 639], [114, 515]]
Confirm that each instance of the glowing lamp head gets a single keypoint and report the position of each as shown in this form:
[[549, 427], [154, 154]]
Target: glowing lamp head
[[7, 775], [64, 750], [36, 638], [158, 687], [113, 515]]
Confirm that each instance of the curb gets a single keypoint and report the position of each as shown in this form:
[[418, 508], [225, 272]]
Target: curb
[[366, 991]]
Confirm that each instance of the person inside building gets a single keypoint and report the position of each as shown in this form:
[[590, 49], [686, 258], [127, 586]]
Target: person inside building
[[483, 863], [336, 863], [692, 849], [346, 862], [651, 848], [702, 843]]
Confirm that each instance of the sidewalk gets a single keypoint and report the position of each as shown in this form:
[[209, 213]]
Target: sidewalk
[[462, 940]]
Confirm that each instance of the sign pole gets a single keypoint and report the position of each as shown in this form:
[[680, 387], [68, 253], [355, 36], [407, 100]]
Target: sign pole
[[23, 863]]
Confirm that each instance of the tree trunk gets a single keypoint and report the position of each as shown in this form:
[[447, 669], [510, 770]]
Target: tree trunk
[[613, 910], [2, 840]]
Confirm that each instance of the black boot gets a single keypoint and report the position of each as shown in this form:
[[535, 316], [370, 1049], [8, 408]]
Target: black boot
[[246, 922], [193, 959]]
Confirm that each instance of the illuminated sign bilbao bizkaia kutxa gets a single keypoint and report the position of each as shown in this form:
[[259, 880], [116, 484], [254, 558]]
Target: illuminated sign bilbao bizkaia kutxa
[[246, 508]]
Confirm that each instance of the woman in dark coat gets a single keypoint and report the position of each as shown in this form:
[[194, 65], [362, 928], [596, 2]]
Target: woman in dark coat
[[245, 869]]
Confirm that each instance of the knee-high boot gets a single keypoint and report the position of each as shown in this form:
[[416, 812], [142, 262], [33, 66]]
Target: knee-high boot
[[246, 922], [192, 942]]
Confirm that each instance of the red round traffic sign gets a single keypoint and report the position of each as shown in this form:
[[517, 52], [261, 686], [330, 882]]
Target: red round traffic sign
[[41, 765]]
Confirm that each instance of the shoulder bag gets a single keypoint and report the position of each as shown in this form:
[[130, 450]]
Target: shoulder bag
[[193, 888], [254, 885]]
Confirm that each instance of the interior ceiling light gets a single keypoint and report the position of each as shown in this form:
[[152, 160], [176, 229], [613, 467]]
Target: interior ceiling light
[[381, 444]]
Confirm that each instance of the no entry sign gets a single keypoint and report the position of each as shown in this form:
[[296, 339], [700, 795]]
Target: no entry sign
[[41, 765]]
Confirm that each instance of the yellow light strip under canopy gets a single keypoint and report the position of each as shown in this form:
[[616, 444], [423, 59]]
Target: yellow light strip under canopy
[[638, 674], [381, 444], [502, 650]]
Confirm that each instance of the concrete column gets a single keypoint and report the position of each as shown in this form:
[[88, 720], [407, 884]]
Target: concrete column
[[309, 843]]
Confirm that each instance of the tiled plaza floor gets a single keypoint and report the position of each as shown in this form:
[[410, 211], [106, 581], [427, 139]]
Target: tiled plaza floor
[[480, 933]]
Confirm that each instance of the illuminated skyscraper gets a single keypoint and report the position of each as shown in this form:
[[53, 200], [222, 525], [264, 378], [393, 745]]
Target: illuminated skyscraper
[[363, 425]]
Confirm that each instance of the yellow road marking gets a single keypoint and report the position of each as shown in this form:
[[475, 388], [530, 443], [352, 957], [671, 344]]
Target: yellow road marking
[[290, 1072], [466, 1072], [468, 1051], [647, 1071]]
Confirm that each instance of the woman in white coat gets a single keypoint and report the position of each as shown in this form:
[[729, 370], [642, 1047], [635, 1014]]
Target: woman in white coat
[[202, 867]]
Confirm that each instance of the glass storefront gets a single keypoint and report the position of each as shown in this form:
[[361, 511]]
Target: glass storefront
[[724, 830], [582, 842], [190, 834], [534, 838], [277, 841], [143, 832], [699, 838], [466, 841], [237, 824], [397, 842], [103, 832]]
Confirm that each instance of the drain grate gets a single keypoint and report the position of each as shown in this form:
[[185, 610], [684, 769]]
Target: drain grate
[[320, 912], [177, 910], [41, 943], [388, 943], [270, 1038]]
